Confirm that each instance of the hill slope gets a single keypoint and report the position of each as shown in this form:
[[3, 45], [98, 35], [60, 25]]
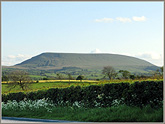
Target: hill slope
[[86, 61]]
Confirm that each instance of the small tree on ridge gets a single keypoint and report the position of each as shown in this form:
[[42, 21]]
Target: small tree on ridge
[[109, 71]]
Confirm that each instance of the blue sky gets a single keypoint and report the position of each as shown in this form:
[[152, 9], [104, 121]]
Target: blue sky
[[128, 28]]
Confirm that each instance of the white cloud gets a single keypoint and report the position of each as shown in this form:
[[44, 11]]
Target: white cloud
[[14, 59], [11, 56], [7, 63], [104, 20], [123, 19], [127, 54], [149, 55], [143, 18], [152, 57], [96, 51]]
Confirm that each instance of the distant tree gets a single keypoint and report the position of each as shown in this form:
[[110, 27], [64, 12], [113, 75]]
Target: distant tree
[[70, 76], [59, 76], [19, 78], [143, 76], [80, 77], [125, 74], [132, 76], [97, 79], [109, 71], [161, 70], [158, 73], [45, 78], [5, 78]]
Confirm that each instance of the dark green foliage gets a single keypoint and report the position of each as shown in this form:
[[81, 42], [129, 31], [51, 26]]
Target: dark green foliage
[[5, 78], [45, 78], [74, 94], [109, 71], [80, 77], [132, 76], [125, 74], [161, 70], [14, 96], [53, 94], [113, 92], [146, 92], [36, 95], [137, 94], [90, 95]]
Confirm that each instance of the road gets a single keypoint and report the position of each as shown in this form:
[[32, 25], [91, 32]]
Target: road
[[31, 120], [14, 121]]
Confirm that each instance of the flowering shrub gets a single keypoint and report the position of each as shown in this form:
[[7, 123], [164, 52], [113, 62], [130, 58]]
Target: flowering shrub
[[28, 105], [117, 102], [137, 94]]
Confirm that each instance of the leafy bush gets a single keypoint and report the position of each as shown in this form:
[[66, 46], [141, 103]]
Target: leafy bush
[[137, 94], [80, 77], [146, 92], [13, 96]]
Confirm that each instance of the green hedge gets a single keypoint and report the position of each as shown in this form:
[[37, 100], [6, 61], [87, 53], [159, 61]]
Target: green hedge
[[137, 94]]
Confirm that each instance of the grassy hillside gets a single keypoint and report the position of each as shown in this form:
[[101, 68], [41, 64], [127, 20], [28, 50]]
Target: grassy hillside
[[89, 65], [85, 61]]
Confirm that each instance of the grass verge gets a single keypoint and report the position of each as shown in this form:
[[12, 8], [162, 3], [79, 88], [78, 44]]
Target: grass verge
[[121, 113]]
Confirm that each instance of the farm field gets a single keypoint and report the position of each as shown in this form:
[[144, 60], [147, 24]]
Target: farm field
[[47, 84]]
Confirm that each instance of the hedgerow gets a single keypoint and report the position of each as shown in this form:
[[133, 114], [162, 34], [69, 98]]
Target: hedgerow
[[137, 94]]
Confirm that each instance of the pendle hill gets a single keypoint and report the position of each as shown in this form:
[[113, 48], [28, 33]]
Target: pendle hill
[[76, 63], [85, 61]]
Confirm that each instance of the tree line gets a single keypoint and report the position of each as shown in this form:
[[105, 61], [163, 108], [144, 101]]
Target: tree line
[[23, 80], [110, 72]]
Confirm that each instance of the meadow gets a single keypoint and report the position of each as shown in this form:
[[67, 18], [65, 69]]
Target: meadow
[[47, 84]]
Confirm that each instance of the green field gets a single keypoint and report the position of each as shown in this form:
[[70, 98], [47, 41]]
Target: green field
[[47, 84]]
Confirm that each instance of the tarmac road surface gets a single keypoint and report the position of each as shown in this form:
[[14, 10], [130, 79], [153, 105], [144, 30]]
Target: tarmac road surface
[[13, 121], [31, 120]]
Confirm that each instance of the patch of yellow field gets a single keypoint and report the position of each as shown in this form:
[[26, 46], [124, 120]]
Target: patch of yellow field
[[67, 81], [104, 81], [41, 81], [3, 82]]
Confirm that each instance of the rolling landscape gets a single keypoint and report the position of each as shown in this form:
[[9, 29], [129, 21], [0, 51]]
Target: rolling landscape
[[90, 65], [83, 61]]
